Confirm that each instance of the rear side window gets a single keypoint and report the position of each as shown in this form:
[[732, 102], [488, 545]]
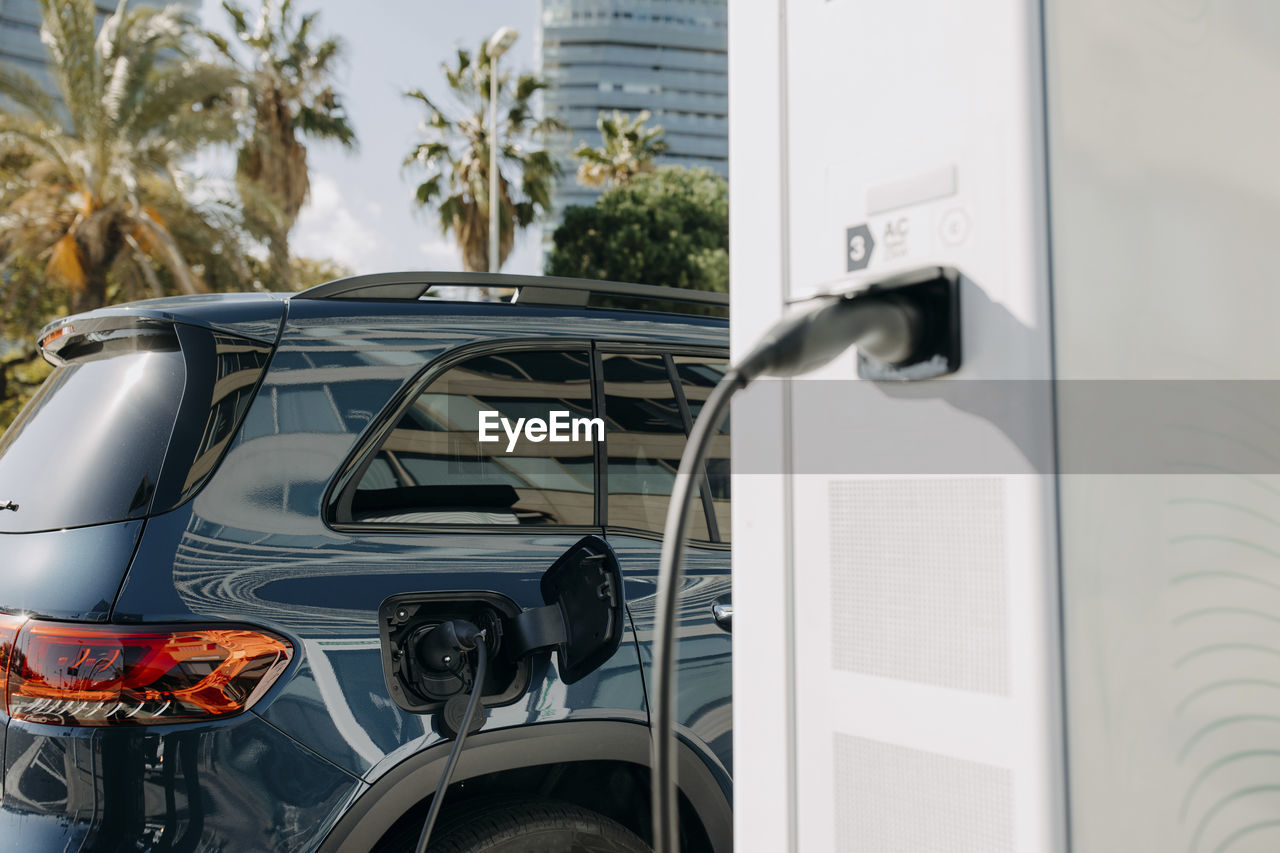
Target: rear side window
[[698, 376], [88, 447], [646, 435], [432, 469], [650, 403]]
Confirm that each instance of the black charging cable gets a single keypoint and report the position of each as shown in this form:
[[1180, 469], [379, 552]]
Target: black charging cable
[[477, 690], [885, 327]]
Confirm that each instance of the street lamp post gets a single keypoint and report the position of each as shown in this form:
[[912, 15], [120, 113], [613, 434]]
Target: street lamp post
[[498, 45]]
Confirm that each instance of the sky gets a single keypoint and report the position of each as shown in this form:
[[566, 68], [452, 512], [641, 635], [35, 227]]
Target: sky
[[361, 210]]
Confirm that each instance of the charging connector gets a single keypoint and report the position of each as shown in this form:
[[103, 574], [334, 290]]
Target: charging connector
[[449, 645]]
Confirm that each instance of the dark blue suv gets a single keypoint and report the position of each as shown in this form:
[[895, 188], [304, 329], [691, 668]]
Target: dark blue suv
[[224, 520]]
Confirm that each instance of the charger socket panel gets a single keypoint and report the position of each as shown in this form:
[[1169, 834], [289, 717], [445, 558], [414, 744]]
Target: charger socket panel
[[402, 617], [934, 292]]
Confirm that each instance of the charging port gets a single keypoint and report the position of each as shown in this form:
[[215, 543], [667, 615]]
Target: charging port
[[581, 621], [419, 686], [933, 297]]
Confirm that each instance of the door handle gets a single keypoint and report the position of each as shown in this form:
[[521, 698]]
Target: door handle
[[723, 614]]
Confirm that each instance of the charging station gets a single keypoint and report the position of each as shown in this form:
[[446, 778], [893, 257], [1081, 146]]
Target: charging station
[[1032, 604]]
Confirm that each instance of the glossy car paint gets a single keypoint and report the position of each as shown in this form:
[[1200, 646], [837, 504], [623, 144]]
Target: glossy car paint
[[67, 574], [253, 546]]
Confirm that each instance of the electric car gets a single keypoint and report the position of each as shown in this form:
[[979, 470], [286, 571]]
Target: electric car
[[227, 522]]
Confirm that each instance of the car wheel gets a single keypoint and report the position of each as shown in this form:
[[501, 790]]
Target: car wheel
[[537, 828]]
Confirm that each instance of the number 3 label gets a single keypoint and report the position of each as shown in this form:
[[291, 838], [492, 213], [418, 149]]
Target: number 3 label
[[857, 248], [859, 245]]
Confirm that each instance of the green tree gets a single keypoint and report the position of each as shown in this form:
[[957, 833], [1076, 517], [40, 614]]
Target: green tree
[[668, 227], [456, 157], [287, 76], [308, 272], [90, 185], [27, 307], [627, 149]]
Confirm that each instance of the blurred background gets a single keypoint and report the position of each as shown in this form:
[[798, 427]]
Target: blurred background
[[151, 149]]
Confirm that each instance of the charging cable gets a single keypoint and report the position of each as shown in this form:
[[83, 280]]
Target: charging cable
[[885, 327], [459, 640]]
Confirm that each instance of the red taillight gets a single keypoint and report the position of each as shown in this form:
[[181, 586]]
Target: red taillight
[[9, 627], [105, 675]]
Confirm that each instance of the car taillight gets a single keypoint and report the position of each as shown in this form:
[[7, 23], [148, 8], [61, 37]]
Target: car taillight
[[106, 675], [9, 626]]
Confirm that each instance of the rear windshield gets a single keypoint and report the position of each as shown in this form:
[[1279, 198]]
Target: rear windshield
[[88, 447], [134, 423]]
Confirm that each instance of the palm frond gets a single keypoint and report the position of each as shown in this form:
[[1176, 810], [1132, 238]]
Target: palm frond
[[427, 153], [527, 85], [427, 190], [324, 54], [65, 263], [239, 18], [188, 105], [37, 137], [220, 45], [67, 31], [26, 92], [326, 124]]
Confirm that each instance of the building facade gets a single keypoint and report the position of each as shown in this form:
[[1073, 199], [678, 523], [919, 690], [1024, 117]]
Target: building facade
[[666, 56]]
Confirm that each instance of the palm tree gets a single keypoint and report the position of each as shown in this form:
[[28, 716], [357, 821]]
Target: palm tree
[[287, 77], [456, 156], [628, 149], [89, 184]]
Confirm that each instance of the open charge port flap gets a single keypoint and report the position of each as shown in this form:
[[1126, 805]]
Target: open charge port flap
[[581, 621]]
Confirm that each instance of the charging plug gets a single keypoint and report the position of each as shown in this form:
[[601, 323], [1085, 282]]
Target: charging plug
[[443, 653], [441, 648], [905, 328]]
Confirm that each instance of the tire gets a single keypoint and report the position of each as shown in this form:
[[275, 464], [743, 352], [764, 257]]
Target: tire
[[537, 827]]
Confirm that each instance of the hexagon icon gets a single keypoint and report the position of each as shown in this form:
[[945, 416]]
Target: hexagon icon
[[858, 244]]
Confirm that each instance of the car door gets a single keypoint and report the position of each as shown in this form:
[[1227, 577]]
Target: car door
[[428, 508], [649, 397]]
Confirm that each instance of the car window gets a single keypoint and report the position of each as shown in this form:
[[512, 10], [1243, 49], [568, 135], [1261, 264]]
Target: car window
[[698, 376], [238, 365], [88, 447], [137, 418], [645, 435], [433, 468]]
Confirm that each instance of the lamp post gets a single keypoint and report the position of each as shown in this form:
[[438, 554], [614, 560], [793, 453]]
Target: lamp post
[[499, 42]]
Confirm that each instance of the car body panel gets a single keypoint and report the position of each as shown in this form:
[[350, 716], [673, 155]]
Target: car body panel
[[704, 706], [238, 784], [66, 574], [541, 744]]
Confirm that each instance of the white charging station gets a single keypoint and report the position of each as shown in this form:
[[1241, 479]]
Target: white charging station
[[1034, 605]]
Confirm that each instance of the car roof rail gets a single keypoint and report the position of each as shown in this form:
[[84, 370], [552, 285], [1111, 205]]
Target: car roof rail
[[530, 290]]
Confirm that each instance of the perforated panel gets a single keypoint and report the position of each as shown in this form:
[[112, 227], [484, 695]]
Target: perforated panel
[[891, 799], [919, 581]]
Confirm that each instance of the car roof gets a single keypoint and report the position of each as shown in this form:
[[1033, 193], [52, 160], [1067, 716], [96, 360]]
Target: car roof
[[258, 315]]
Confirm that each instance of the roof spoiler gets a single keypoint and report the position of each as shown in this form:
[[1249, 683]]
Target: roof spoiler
[[77, 337]]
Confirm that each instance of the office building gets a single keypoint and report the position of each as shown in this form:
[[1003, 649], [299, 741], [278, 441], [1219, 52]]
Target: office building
[[665, 56]]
